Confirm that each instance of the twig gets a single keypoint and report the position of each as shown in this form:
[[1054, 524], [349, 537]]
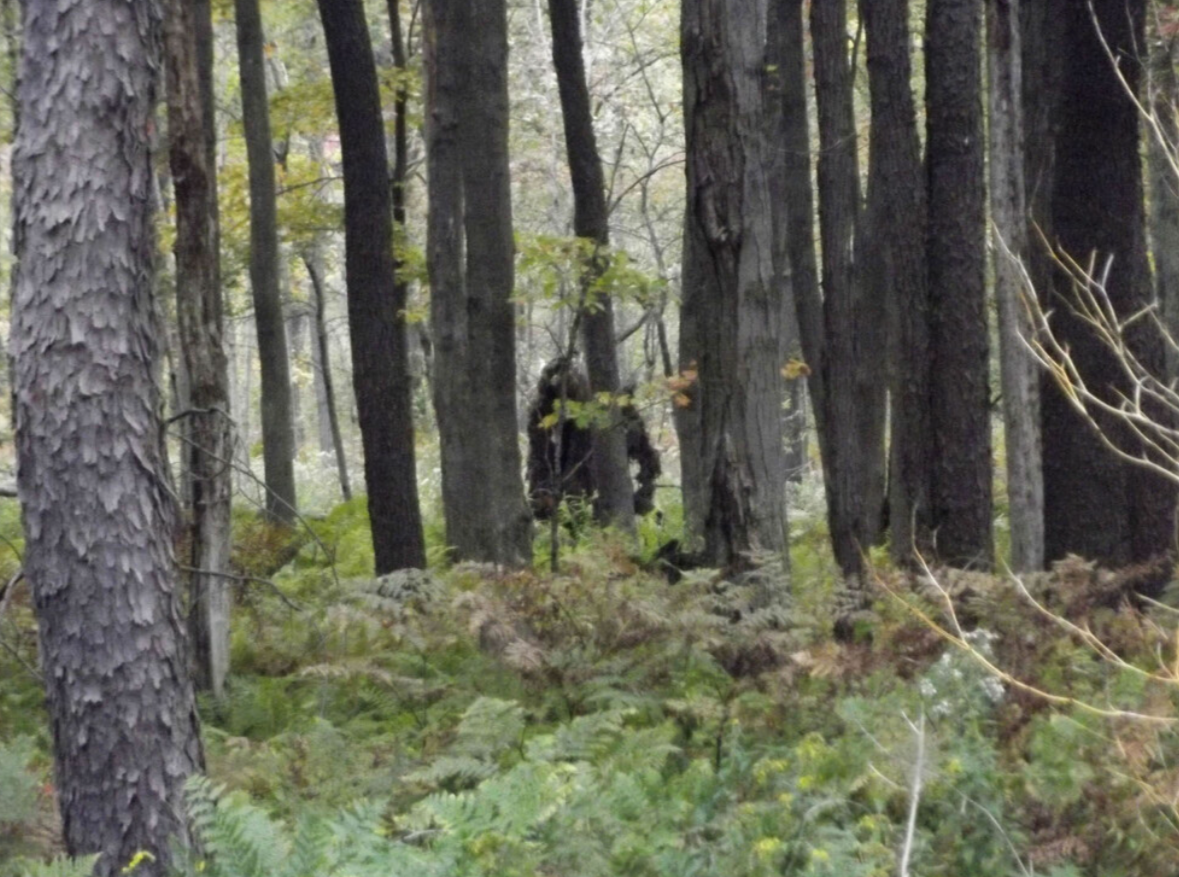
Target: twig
[[914, 793], [252, 580]]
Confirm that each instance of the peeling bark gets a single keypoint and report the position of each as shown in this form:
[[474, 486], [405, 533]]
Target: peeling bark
[[98, 520]]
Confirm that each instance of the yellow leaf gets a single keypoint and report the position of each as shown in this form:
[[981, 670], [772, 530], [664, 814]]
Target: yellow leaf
[[795, 369]]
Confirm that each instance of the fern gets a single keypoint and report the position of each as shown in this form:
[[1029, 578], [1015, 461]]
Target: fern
[[58, 867]]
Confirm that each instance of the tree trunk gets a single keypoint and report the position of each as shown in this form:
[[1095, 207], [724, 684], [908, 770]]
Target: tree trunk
[[614, 503], [854, 313], [1162, 149], [1009, 214], [278, 437], [1094, 504], [794, 206], [296, 328], [470, 260], [737, 285], [98, 519], [961, 509], [201, 324], [329, 411], [376, 302], [897, 221]]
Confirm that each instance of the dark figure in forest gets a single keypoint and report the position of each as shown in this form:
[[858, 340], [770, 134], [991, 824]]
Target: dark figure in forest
[[550, 483]]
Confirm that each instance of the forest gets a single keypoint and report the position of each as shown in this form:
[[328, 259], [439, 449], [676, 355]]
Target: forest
[[589, 438]]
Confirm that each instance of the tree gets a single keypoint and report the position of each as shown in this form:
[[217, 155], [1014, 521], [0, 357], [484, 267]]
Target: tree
[[733, 285], [376, 302], [1009, 215], [278, 436], [897, 222], [470, 262], [98, 517], [961, 510], [208, 439], [1096, 505], [327, 412], [853, 316], [614, 503]]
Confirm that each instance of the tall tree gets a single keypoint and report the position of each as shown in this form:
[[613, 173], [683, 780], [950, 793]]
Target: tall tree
[[209, 435], [733, 285], [897, 221], [853, 318], [1009, 215], [1094, 504], [960, 393], [376, 302], [278, 436], [470, 261], [614, 503], [99, 521]]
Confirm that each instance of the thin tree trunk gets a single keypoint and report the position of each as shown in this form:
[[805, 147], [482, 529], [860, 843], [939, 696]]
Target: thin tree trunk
[[853, 316], [738, 282], [313, 260], [209, 438], [1162, 150], [614, 503], [376, 302], [897, 222], [296, 320], [961, 507], [98, 518], [278, 438], [1094, 504], [470, 259], [1019, 376]]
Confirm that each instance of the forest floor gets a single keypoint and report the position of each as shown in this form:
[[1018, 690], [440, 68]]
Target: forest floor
[[601, 721]]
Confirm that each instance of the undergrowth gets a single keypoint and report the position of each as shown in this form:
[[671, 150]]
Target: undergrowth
[[472, 721]]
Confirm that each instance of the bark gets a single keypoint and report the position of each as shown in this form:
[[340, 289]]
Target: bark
[[99, 522], [853, 317], [1162, 144], [278, 437], [328, 410], [897, 221], [737, 287], [201, 327], [376, 302], [960, 394], [614, 502], [1009, 211], [1094, 504], [470, 261]]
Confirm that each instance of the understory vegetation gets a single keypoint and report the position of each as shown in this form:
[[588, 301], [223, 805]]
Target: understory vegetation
[[466, 721]]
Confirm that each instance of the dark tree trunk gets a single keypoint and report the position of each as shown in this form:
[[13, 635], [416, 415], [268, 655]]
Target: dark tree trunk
[[329, 411], [854, 312], [1009, 214], [1094, 504], [738, 288], [897, 220], [380, 356], [614, 503], [98, 519], [278, 437], [960, 393], [470, 259], [209, 433]]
